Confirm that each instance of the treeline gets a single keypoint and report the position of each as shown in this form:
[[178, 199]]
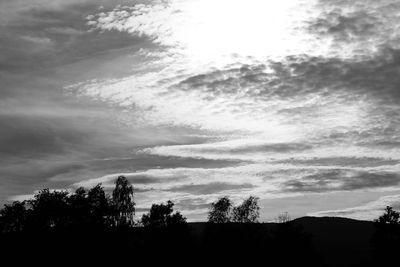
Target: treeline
[[61, 209], [94, 207], [91, 222]]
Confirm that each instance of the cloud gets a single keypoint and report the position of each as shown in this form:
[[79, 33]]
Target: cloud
[[48, 138], [342, 180], [40, 41], [21, 197], [344, 161], [270, 180], [300, 96], [41, 35], [164, 179], [211, 188], [369, 211], [322, 97], [361, 27], [346, 27], [237, 149], [182, 26], [275, 100], [14, 9], [69, 31]]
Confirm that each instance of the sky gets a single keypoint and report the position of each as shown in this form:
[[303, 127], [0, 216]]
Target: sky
[[292, 101]]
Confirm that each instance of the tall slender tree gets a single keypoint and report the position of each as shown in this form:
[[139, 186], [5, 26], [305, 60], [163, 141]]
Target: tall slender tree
[[123, 202]]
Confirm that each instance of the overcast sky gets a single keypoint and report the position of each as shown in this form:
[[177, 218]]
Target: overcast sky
[[293, 101]]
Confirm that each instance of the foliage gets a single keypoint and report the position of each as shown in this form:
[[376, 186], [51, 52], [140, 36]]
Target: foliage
[[13, 217], [61, 209], [99, 205], [49, 209], [390, 217], [386, 238], [124, 206], [160, 216], [79, 202], [223, 211], [247, 212], [220, 211]]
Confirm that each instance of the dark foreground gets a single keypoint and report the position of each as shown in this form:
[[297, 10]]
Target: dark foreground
[[306, 241]]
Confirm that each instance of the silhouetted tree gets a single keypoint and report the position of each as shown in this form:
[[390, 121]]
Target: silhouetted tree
[[13, 217], [124, 205], [99, 205], [386, 239], [247, 212], [79, 207], [49, 209], [220, 211], [389, 217], [160, 215]]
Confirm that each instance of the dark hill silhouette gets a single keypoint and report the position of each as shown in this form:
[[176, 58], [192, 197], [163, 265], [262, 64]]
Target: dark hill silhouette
[[328, 242], [338, 241]]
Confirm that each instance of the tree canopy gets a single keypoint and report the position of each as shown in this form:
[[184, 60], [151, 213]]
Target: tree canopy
[[62, 209], [390, 217], [247, 212], [161, 215], [124, 205], [223, 211], [220, 211]]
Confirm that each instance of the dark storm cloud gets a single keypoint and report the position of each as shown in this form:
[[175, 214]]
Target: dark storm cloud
[[211, 188], [342, 180]]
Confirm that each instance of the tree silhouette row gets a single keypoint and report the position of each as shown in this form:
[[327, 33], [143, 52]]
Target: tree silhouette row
[[50, 209]]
